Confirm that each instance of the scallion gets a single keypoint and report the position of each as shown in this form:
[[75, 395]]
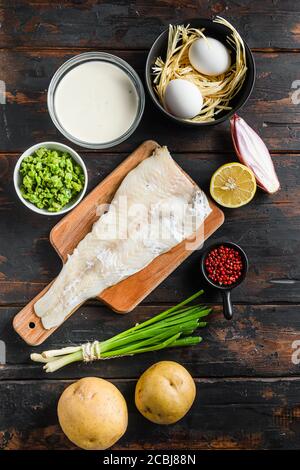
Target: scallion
[[172, 328]]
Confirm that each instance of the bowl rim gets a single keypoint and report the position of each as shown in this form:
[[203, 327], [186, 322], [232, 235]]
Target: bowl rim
[[74, 155], [245, 263], [251, 69], [104, 57]]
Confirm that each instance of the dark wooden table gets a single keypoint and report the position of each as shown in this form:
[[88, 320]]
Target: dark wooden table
[[248, 386]]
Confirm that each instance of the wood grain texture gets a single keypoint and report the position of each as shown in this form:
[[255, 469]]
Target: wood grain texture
[[135, 24], [268, 409], [257, 342], [127, 294], [268, 229], [24, 120], [248, 391]]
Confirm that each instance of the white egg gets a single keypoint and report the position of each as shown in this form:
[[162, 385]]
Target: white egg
[[209, 56], [183, 99]]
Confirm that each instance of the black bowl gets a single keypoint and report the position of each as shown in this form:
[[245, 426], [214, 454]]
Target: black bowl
[[225, 290], [216, 31]]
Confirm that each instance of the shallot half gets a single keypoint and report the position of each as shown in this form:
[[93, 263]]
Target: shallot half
[[253, 153]]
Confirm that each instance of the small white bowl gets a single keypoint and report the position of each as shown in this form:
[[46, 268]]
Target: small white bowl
[[54, 146]]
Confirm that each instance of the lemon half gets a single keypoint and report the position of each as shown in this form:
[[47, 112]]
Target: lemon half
[[233, 185]]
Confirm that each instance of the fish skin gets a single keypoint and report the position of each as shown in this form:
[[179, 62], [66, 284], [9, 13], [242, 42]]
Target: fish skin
[[119, 243]]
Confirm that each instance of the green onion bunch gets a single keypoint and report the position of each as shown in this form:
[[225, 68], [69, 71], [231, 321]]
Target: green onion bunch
[[172, 328]]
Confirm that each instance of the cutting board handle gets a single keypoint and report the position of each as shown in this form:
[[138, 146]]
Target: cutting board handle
[[28, 325]]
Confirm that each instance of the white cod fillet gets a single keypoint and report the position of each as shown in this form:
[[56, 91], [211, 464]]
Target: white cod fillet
[[154, 209]]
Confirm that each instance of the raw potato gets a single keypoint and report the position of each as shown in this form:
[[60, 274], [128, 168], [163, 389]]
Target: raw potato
[[165, 392], [93, 413]]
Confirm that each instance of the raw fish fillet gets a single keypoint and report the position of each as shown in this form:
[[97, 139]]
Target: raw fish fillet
[[155, 208]]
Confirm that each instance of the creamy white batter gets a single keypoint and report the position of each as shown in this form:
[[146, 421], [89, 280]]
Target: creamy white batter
[[96, 102]]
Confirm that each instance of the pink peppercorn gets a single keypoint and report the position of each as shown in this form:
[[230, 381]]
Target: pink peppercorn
[[224, 265]]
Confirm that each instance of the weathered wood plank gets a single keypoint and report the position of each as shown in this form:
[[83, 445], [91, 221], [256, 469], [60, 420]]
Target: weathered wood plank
[[24, 120], [136, 24], [257, 342], [227, 414], [268, 229]]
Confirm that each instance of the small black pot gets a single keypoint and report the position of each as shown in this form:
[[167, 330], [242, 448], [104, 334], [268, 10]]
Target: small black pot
[[217, 31], [225, 290]]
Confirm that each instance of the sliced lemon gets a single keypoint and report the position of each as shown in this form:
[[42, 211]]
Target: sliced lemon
[[233, 185]]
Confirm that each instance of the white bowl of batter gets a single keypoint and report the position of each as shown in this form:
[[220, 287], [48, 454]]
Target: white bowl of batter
[[96, 100]]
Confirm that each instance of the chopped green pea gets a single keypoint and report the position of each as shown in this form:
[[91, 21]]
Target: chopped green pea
[[50, 179]]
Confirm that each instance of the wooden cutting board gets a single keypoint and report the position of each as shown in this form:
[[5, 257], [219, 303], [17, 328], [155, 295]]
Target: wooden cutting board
[[124, 296]]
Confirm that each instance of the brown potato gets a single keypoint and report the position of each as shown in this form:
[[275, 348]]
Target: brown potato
[[165, 392], [92, 413]]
